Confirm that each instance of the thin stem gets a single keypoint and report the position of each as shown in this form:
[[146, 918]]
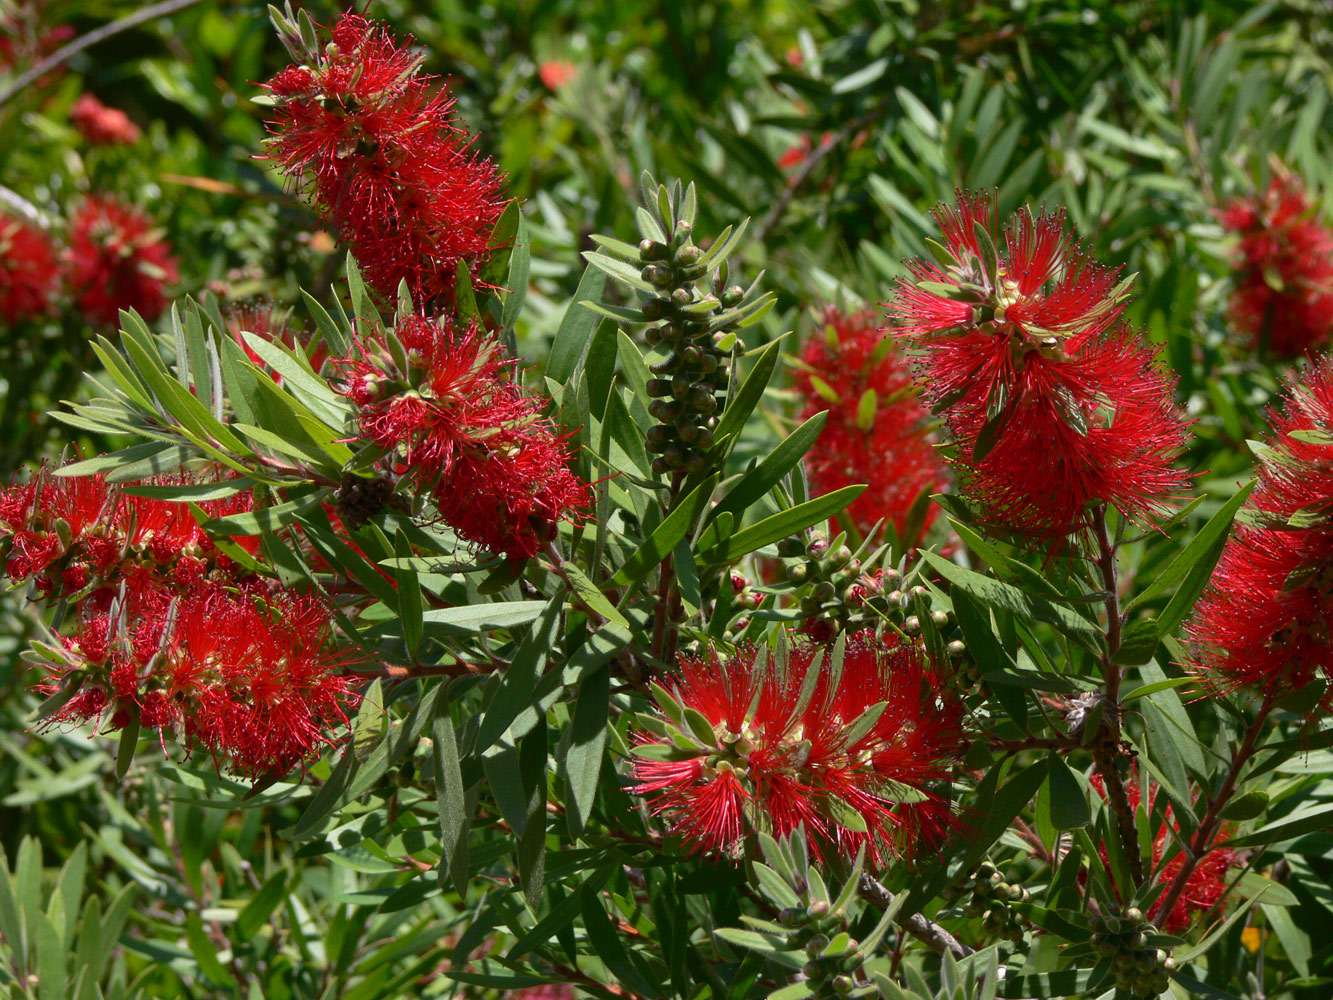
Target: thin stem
[[1202, 841], [808, 167], [106, 31], [558, 568], [402, 672], [663, 644], [1107, 746], [917, 925]]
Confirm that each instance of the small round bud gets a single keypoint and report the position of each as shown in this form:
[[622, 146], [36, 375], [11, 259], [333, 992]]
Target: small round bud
[[688, 256], [940, 618], [912, 625], [703, 400], [651, 250], [659, 387], [1134, 915], [843, 985], [682, 297], [659, 437], [790, 917], [674, 455], [695, 464], [653, 310], [955, 649], [817, 910], [680, 386], [816, 944], [732, 295], [817, 546]]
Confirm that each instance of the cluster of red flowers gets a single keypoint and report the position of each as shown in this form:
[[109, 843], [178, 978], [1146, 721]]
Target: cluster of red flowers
[[169, 631], [114, 260], [117, 260], [82, 538], [1266, 621], [1204, 886], [1056, 405], [101, 125], [465, 431], [383, 156], [876, 429], [850, 771], [1283, 299]]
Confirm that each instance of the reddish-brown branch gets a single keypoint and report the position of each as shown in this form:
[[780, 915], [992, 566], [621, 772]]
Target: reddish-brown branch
[[403, 672], [1202, 841], [1107, 743]]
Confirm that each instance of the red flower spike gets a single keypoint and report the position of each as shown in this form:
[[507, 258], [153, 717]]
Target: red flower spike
[[254, 684], [101, 125], [1283, 296], [29, 274], [1056, 405], [1266, 621], [776, 764], [1207, 882], [467, 433], [891, 450], [74, 533], [386, 162], [116, 260]]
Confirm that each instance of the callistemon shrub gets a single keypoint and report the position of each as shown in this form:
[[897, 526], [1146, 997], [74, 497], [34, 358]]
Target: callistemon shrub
[[876, 431], [1056, 405], [491, 619]]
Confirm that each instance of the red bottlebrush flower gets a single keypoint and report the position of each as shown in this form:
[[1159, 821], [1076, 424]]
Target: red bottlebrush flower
[[1055, 404], [466, 432], [1266, 620], [116, 260], [386, 161], [1206, 883], [1283, 297], [101, 125], [556, 73], [28, 271], [850, 774], [876, 429], [252, 682]]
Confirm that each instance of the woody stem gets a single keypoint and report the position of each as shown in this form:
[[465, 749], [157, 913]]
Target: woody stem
[[663, 643], [1202, 841], [1107, 742]]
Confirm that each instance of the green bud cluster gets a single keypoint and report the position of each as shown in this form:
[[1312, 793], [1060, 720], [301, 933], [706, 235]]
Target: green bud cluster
[[833, 958], [838, 593], [1141, 967], [988, 896], [689, 386]]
